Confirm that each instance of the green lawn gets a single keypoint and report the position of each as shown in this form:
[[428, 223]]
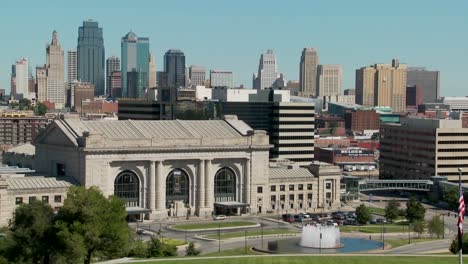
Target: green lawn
[[233, 252], [401, 242], [253, 233], [377, 210], [389, 228], [174, 242], [219, 224], [318, 260]]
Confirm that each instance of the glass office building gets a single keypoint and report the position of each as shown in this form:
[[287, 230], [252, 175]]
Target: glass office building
[[135, 59], [91, 56]]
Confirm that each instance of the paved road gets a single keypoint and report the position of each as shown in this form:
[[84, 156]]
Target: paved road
[[437, 246]]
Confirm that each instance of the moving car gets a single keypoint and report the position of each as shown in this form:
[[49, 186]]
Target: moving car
[[219, 217]]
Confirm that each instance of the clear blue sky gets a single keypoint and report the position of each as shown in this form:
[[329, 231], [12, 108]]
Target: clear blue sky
[[231, 35]]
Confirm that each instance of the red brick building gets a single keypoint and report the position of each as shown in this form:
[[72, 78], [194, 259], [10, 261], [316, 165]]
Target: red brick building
[[359, 120], [342, 156]]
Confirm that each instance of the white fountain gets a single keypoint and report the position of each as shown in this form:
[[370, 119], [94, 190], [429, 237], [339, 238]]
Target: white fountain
[[320, 236]]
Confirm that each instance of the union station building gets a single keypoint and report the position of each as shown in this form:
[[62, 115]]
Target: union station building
[[175, 168]]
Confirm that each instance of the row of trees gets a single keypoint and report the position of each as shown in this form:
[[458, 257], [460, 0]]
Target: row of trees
[[415, 211], [25, 104]]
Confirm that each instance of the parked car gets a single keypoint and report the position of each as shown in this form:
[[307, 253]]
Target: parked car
[[350, 221], [381, 221], [219, 217], [288, 218]]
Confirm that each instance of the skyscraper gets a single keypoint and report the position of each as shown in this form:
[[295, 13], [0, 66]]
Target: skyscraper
[[152, 71], [221, 79], [427, 81], [20, 79], [197, 75], [329, 80], [72, 64], [267, 71], [41, 83], [308, 72], [135, 59], [115, 84], [91, 57], [174, 66], [382, 85], [55, 73], [112, 65]]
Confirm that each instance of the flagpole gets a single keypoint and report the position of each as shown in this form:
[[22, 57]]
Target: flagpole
[[460, 230]]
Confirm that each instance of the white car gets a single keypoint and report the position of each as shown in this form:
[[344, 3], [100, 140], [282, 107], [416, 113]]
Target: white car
[[219, 217]]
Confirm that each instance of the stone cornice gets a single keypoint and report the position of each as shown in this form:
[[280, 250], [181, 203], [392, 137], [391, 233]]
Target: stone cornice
[[175, 149]]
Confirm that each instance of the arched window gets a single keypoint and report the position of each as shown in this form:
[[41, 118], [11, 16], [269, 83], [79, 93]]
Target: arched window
[[126, 186], [225, 185], [177, 187]]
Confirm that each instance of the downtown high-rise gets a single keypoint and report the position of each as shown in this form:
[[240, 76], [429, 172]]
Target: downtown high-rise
[[329, 80], [174, 68], [112, 65], [308, 72], [135, 65], [20, 79], [91, 55], [55, 73], [267, 71], [221, 79], [382, 85], [197, 75], [72, 67]]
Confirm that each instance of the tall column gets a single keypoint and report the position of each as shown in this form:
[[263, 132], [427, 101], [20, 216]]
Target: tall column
[[247, 181], [201, 184], [209, 185], [152, 186], [160, 187]]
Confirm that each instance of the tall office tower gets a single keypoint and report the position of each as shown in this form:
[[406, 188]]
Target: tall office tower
[[308, 72], [13, 80], [91, 55], [20, 78], [135, 58], [41, 83], [161, 79], [72, 70], [382, 85], [174, 66], [427, 81], [221, 79], [152, 71], [267, 71], [115, 84], [112, 65], [197, 75], [136, 83], [55, 73], [329, 80], [31, 85]]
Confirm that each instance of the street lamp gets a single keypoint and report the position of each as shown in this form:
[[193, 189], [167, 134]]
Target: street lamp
[[219, 237], [460, 238], [245, 241]]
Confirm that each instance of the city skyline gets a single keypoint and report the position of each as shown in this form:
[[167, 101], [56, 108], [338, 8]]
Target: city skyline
[[418, 38]]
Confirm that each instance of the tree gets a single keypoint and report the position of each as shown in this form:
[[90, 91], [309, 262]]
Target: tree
[[191, 250], [454, 247], [391, 210], [435, 226], [31, 237], [419, 226], [415, 211], [332, 126], [451, 197], [157, 248], [40, 109], [363, 214], [90, 223]]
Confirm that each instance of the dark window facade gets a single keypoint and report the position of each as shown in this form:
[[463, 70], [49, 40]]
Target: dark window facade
[[177, 187], [126, 187], [225, 185]]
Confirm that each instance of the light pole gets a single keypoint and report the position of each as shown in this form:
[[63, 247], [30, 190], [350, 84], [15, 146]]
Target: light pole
[[409, 233], [219, 237], [460, 238], [245, 241], [261, 225]]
